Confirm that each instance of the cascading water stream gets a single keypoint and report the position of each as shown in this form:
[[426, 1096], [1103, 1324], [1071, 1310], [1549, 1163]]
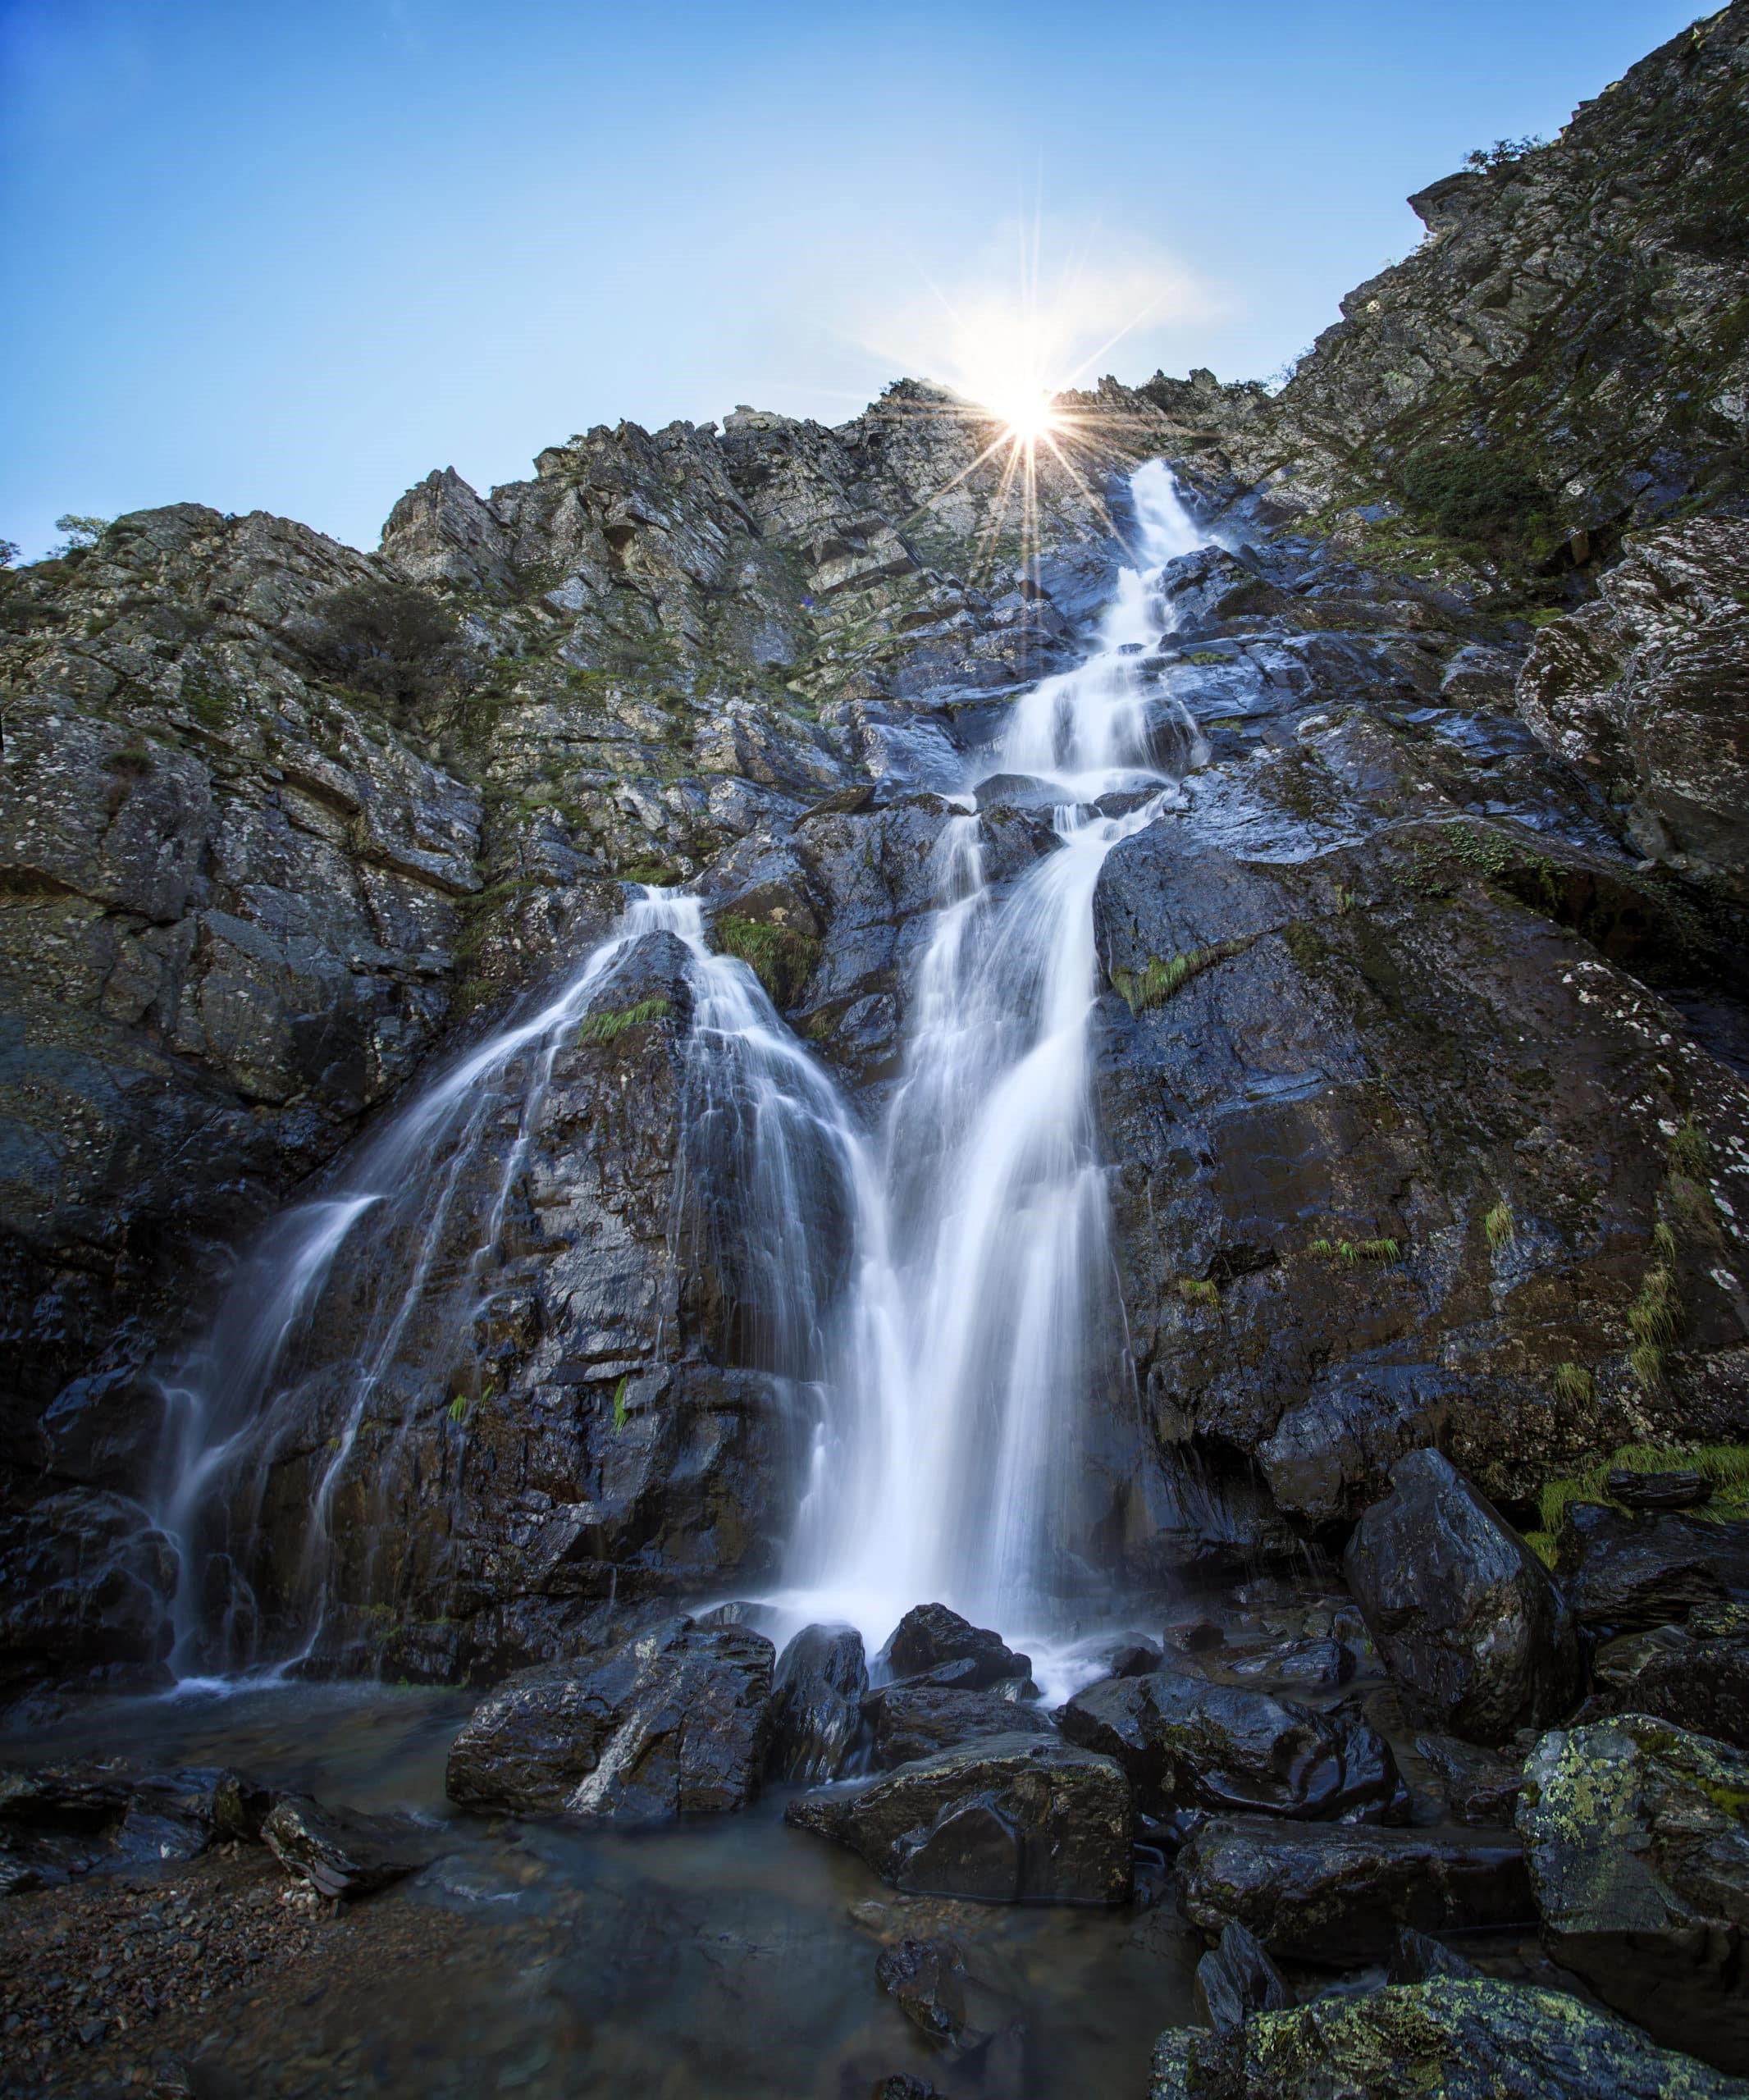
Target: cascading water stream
[[944, 1291], [982, 1317]]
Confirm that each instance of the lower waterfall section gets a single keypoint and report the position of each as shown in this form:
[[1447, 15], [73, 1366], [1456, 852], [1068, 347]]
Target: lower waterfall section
[[933, 1305]]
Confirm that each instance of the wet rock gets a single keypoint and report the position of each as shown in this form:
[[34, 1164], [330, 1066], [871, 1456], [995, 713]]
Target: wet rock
[[816, 1703], [342, 1853], [1696, 1676], [1627, 1571], [1134, 1659], [671, 1723], [1684, 1488], [1315, 1665], [1190, 1744], [1463, 2038], [1012, 1819], [1194, 1636], [1236, 1978], [1636, 1836], [79, 1819], [1481, 1789], [912, 1719], [905, 2085], [928, 1978], [1417, 1957], [1334, 1894], [930, 1638], [1460, 1608]]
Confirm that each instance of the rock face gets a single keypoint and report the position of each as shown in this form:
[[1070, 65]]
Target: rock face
[[1012, 1819], [1334, 1894], [1460, 1608], [671, 1723], [1636, 1836], [1187, 1744], [1646, 689], [1466, 2040]]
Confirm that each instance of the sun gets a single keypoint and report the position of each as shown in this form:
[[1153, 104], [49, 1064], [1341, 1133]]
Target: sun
[[1030, 418]]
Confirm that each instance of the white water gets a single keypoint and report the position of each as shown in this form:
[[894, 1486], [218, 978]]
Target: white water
[[943, 1289], [982, 1317]]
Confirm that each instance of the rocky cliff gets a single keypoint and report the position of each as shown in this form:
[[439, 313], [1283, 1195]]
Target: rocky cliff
[[1422, 1055]]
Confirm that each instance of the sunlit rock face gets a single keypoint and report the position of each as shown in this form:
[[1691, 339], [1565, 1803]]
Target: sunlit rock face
[[1415, 1054]]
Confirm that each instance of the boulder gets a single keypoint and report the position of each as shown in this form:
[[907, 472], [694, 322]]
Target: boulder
[[915, 1719], [816, 1703], [1626, 1571], [1334, 1894], [1636, 1836], [1480, 1787], [1458, 1606], [1236, 1978], [1417, 1956], [1189, 1744], [930, 1639], [928, 1978], [342, 1853], [1457, 2038], [62, 1819], [1016, 1818], [1686, 1488], [1313, 1665], [1696, 1676], [670, 1722]]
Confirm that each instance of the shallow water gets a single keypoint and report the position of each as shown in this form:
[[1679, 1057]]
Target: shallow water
[[732, 1956]]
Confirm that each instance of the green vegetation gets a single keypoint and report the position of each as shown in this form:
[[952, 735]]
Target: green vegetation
[[1467, 493], [1353, 1251], [781, 958], [1574, 1383], [1195, 1290], [1499, 1225], [81, 533], [610, 1027], [1503, 152], [1204, 656], [619, 1403], [392, 641], [1725, 1465], [1154, 985]]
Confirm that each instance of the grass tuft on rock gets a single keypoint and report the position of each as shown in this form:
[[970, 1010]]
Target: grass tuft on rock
[[610, 1027], [1574, 1383], [782, 959], [1155, 983], [1725, 1465], [1198, 1290], [1499, 1225]]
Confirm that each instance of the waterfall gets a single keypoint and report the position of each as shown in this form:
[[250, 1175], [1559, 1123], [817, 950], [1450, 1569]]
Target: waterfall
[[982, 1314], [941, 1288]]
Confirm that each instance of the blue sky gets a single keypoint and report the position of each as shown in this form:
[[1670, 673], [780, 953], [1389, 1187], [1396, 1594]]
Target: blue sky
[[290, 257]]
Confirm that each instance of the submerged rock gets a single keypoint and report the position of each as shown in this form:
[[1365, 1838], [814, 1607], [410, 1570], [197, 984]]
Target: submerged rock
[[1460, 1608], [1456, 2037], [1637, 1835], [1333, 1894], [928, 1978], [1235, 1979], [929, 1639], [816, 1702], [342, 1853], [1013, 1820], [671, 1723], [1189, 1744]]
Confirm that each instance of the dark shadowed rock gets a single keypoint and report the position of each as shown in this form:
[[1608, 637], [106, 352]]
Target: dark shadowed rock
[[1316, 1665], [912, 1719], [930, 1638], [1696, 1676], [1417, 1957], [1460, 1608], [1236, 1978], [1625, 1571], [1015, 1819], [1480, 1787], [1637, 1835], [1449, 2038], [816, 1702], [1686, 1488], [928, 1978], [670, 1723], [1333, 1894], [905, 2085], [56, 1820], [342, 1853], [1190, 1744]]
